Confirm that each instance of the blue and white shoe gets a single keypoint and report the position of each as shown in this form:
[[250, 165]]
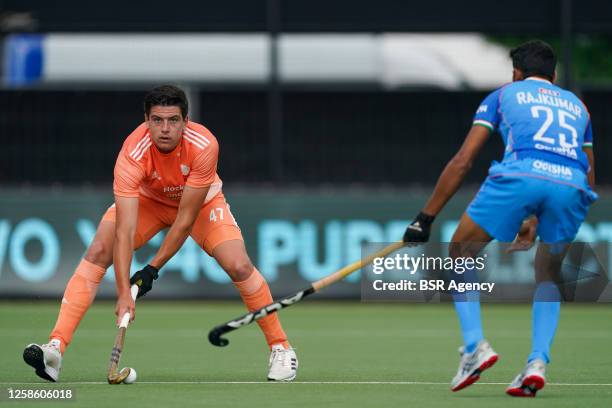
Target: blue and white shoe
[[473, 364], [529, 381]]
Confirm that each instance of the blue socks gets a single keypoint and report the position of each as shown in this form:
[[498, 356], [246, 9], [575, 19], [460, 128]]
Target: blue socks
[[467, 305], [468, 311], [545, 317]]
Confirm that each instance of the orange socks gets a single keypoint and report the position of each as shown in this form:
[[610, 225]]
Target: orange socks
[[79, 295], [83, 285], [255, 293]]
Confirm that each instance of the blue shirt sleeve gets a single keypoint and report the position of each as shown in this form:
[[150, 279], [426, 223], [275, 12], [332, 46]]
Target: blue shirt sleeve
[[487, 114]]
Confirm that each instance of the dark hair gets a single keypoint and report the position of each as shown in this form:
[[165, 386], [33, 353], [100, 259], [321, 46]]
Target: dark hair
[[166, 95], [534, 58]]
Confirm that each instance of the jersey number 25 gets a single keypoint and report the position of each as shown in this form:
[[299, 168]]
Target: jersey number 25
[[549, 118]]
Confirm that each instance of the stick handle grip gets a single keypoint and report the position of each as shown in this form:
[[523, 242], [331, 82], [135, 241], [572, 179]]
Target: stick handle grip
[[347, 270], [125, 320]]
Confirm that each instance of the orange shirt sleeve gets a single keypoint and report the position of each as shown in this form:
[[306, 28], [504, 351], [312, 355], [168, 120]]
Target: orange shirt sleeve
[[204, 168], [128, 176]]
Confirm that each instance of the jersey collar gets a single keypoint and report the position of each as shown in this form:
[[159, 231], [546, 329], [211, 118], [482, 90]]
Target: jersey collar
[[538, 79]]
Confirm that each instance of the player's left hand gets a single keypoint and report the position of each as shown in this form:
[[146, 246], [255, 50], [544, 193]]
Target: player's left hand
[[144, 279], [526, 237]]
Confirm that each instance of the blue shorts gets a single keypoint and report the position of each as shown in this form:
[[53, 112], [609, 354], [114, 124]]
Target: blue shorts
[[506, 199]]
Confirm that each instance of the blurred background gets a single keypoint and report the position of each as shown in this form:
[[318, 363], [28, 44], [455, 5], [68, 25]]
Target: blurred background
[[334, 120]]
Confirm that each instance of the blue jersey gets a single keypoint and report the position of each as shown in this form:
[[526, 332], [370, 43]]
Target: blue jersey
[[544, 170], [538, 120]]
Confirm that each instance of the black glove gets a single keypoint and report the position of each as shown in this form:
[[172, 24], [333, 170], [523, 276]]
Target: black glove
[[144, 279], [419, 229]]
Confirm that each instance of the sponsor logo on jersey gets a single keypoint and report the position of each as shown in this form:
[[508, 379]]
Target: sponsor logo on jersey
[[549, 92], [555, 170], [564, 151], [174, 192], [170, 189]]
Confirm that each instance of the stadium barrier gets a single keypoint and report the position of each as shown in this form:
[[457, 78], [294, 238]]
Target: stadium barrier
[[294, 237]]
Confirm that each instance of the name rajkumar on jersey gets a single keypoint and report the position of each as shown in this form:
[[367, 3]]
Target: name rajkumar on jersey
[[550, 98]]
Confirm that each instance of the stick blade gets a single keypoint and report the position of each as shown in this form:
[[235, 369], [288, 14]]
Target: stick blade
[[214, 337], [117, 378]]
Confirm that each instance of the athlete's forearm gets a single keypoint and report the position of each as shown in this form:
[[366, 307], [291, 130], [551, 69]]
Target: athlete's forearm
[[449, 182], [591, 157], [175, 238], [122, 260], [455, 171], [125, 227]]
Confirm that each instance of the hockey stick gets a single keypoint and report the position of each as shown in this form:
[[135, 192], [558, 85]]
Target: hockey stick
[[214, 336], [115, 377]]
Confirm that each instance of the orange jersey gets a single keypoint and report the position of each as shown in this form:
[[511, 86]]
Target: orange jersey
[[142, 170]]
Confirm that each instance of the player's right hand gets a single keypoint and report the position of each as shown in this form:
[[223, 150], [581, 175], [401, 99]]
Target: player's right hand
[[125, 304], [144, 279], [526, 236], [419, 229]]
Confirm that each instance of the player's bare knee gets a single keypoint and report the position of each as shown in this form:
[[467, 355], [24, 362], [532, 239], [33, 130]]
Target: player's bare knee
[[240, 270], [99, 253]]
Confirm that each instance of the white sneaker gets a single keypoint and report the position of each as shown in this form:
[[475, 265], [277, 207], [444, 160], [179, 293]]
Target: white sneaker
[[46, 359], [283, 364], [529, 381], [473, 364]]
